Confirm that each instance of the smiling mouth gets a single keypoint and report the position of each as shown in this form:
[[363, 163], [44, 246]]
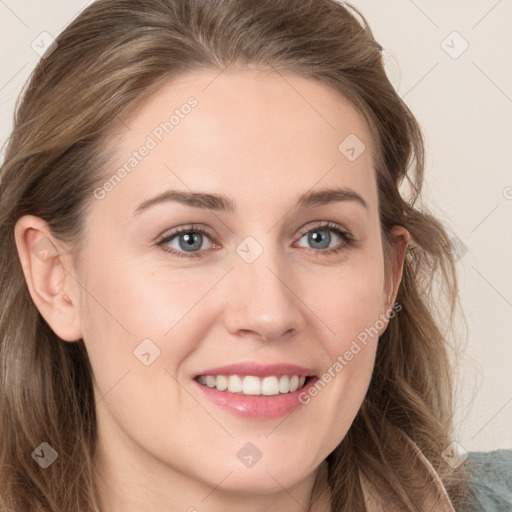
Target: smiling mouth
[[252, 385]]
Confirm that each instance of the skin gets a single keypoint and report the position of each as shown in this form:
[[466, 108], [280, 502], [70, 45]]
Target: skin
[[260, 141]]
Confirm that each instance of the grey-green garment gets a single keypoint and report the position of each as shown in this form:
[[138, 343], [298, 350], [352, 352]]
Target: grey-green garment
[[491, 481]]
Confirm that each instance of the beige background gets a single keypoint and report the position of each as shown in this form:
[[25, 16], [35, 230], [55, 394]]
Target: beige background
[[463, 100]]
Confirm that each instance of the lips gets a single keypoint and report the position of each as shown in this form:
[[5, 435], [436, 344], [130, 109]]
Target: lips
[[253, 390]]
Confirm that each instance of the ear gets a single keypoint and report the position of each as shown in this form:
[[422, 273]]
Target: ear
[[45, 267], [399, 239]]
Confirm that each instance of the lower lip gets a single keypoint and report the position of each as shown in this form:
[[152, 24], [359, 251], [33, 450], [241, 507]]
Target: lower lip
[[257, 406]]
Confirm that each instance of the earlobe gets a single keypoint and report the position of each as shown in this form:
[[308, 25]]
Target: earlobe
[[48, 280]]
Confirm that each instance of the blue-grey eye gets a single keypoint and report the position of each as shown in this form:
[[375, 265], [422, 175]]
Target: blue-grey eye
[[188, 241], [319, 238]]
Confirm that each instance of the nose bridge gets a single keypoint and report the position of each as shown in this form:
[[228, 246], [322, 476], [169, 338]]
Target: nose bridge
[[262, 301]]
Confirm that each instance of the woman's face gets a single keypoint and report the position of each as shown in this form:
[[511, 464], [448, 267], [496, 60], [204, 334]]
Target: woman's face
[[257, 294]]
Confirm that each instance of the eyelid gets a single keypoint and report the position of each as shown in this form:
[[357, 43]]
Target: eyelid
[[321, 224], [186, 228]]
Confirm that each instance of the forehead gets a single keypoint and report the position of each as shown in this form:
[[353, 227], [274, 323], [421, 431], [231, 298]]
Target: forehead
[[248, 133]]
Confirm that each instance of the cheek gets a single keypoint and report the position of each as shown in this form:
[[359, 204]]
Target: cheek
[[351, 307], [349, 302], [134, 299], [131, 309]]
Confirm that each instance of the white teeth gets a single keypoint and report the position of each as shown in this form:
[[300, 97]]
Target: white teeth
[[284, 384], [270, 386], [235, 384], [251, 385], [222, 383]]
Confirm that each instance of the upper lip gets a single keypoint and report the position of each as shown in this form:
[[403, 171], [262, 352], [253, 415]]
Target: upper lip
[[258, 370]]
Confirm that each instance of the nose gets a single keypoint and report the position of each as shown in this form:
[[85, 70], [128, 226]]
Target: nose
[[263, 300]]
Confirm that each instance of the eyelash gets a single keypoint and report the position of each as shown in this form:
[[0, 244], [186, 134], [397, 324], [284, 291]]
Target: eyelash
[[327, 226]]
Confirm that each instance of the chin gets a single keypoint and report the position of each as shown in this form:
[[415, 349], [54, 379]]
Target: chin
[[266, 480], [268, 475]]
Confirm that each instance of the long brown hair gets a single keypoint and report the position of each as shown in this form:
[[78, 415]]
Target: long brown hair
[[111, 57]]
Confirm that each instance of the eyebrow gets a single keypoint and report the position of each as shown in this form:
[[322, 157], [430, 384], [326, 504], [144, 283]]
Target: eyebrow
[[220, 202]]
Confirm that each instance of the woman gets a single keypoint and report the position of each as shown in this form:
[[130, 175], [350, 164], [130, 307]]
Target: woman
[[225, 302]]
